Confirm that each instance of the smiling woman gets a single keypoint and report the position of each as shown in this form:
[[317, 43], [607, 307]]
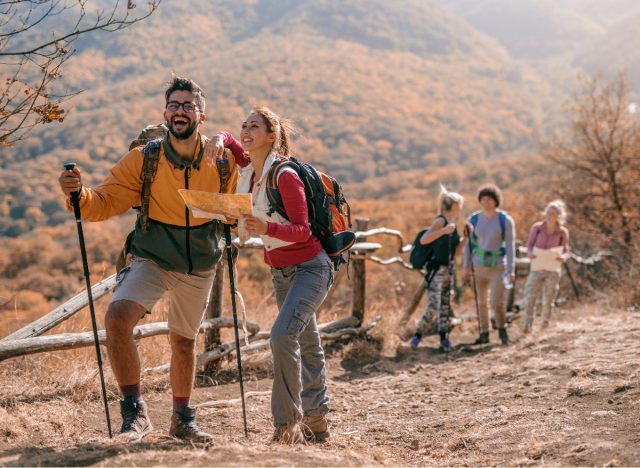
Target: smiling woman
[[301, 274]]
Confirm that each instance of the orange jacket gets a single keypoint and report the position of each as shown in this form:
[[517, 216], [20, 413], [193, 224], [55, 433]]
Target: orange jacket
[[176, 240]]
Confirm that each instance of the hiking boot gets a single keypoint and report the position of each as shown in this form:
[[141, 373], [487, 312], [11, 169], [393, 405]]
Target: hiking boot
[[504, 338], [415, 341], [482, 339], [289, 434], [135, 419], [183, 426], [445, 345], [315, 428]]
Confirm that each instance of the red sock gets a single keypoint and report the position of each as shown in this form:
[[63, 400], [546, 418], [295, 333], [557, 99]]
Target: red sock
[[180, 403], [132, 391]]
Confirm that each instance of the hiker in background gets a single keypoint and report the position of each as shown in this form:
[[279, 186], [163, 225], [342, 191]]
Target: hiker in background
[[173, 253], [447, 243], [550, 233], [491, 258], [302, 274]]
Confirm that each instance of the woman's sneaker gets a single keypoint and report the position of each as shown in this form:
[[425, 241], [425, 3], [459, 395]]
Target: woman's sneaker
[[135, 420], [289, 434], [315, 428], [415, 341], [445, 345]]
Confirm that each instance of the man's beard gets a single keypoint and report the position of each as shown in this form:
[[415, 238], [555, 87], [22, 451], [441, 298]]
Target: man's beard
[[185, 133]]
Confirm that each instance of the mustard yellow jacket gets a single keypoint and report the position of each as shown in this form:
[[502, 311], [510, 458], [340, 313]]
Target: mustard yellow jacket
[[175, 240]]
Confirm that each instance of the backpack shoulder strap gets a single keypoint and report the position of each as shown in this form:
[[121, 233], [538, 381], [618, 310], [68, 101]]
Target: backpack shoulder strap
[[273, 194], [535, 238], [151, 156], [443, 217], [473, 219], [224, 171], [502, 217]]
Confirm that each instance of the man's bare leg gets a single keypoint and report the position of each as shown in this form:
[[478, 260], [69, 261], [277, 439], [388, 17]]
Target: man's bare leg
[[122, 316], [183, 364]]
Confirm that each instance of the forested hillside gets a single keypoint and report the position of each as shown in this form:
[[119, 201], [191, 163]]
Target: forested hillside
[[373, 90], [392, 98]]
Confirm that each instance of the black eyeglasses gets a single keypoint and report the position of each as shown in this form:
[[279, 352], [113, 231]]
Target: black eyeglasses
[[173, 106]]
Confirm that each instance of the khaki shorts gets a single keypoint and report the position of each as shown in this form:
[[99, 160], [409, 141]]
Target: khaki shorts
[[144, 283]]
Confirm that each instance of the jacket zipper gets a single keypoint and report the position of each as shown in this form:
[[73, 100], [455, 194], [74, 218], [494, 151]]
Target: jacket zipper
[[187, 172]]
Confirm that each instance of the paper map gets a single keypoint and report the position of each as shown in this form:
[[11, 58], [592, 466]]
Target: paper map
[[218, 206], [546, 259]]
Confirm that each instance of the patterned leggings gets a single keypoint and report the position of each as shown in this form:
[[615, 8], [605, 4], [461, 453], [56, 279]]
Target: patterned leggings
[[439, 300]]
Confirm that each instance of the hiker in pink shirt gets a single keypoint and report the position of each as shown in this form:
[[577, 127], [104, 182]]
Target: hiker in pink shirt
[[546, 237]]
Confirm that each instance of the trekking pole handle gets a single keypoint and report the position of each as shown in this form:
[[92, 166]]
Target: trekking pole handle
[[75, 196]]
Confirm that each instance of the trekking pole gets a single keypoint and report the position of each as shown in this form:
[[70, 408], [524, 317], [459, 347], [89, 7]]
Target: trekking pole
[[232, 286], [473, 276], [75, 201], [450, 266], [573, 283]]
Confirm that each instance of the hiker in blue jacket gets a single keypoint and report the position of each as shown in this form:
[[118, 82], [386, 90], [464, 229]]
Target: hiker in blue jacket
[[447, 243], [491, 259]]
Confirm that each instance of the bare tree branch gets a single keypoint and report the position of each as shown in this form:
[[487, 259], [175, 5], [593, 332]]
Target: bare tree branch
[[33, 51], [600, 153]]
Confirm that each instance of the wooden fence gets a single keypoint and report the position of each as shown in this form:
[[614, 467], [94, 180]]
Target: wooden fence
[[29, 339]]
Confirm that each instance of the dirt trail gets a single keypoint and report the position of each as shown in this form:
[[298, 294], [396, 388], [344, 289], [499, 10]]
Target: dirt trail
[[567, 396]]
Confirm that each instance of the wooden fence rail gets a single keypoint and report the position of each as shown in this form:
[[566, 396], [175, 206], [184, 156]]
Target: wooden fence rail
[[60, 341], [28, 340]]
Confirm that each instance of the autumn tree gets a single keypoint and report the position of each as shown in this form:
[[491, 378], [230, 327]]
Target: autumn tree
[[599, 160], [36, 39]]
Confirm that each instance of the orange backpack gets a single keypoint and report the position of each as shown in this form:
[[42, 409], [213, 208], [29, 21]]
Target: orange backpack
[[329, 212]]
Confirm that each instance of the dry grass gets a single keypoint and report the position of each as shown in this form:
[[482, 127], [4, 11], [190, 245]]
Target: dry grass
[[548, 399]]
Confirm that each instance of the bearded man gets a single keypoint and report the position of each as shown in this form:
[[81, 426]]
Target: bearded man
[[173, 253]]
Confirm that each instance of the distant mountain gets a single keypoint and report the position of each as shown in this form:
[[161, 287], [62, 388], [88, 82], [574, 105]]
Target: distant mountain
[[616, 50], [542, 29], [375, 87], [529, 28]]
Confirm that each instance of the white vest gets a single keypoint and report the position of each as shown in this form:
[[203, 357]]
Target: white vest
[[260, 201]]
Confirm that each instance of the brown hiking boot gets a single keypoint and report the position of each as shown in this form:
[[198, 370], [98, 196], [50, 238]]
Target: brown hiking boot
[[289, 434], [135, 420], [315, 428], [183, 426]]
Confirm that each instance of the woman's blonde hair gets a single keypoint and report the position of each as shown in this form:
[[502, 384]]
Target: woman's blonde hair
[[283, 129], [447, 199], [560, 208]]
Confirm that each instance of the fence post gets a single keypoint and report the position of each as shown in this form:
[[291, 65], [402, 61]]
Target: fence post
[[359, 275], [214, 310]]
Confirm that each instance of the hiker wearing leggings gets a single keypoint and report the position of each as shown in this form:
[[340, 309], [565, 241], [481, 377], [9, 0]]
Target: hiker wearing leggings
[[542, 284], [492, 251], [447, 243], [301, 274]]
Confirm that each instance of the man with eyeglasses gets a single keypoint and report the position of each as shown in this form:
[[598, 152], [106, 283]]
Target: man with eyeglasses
[[174, 253]]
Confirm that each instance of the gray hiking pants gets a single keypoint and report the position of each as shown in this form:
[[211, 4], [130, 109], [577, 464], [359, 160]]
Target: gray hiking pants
[[540, 285], [490, 278], [299, 373]]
